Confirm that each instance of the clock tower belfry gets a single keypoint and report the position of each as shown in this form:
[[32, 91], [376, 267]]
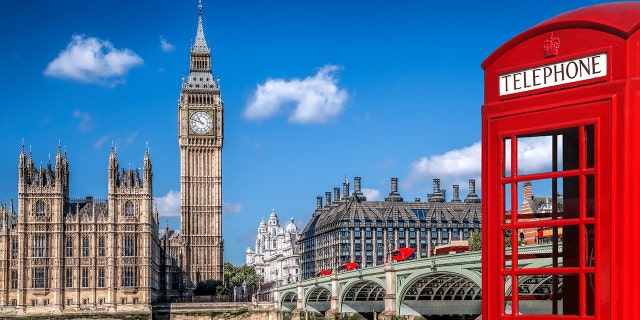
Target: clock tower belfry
[[200, 135]]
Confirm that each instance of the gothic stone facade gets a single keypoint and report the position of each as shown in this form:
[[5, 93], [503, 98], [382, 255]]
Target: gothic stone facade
[[200, 136], [57, 253]]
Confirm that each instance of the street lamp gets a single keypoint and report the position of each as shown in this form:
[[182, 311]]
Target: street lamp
[[389, 248], [336, 252]]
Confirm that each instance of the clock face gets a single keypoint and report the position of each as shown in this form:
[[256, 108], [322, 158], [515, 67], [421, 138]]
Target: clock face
[[200, 122]]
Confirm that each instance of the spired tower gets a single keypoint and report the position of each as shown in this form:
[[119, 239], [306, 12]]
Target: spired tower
[[200, 135]]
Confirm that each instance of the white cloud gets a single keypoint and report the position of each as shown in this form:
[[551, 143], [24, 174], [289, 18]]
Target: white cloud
[[131, 138], [535, 154], [85, 120], [452, 167], [371, 194], [232, 208], [166, 46], [169, 204], [460, 165], [101, 141], [92, 60], [315, 99]]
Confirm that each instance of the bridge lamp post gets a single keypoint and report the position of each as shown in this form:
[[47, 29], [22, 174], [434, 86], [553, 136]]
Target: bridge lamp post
[[389, 248], [338, 252]]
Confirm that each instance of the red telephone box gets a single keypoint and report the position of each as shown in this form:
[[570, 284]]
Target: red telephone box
[[561, 118]]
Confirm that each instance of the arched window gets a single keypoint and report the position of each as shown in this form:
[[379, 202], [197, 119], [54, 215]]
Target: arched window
[[69, 247], [40, 246], [129, 276], [128, 210], [101, 246], [129, 245], [85, 246], [40, 209]]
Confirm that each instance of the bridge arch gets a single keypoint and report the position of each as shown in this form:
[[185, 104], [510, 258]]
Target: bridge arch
[[289, 301], [363, 295], [317, 299], [538, 292], [439, 292]]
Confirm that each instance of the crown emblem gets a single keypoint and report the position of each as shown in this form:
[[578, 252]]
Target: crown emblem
[[551, 46]]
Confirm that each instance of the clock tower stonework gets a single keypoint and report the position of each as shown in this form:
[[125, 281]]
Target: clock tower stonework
[[200, 135]]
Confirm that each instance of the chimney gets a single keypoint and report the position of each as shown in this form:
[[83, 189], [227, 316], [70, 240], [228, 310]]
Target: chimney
[[528, 191], [356, 184], [456, 193], [472, 197], [319, 202], [327, 196], [394, 195], [437, 195], [345, 189], [357, 193], [336, 194]]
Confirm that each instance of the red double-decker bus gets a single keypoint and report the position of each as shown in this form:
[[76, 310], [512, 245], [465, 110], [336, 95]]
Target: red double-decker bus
[[323, 273], [348, 266], [453, 247], [402, 254]]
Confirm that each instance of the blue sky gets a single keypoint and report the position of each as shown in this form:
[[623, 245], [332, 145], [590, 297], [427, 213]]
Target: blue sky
[[314, 91]]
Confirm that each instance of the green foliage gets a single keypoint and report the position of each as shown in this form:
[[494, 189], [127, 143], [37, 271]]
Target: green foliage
[[206, 288], [475, 241], [222, 291], [246, 274], [507, 238], [233, 276]]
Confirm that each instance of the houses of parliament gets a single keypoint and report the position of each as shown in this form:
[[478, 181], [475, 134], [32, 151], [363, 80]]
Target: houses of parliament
[[58, 253]]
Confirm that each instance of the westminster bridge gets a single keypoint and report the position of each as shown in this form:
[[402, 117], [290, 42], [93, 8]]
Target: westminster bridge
[[435, 286]]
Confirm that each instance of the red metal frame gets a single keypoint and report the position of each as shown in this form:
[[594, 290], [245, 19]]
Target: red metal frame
[[511, 128]]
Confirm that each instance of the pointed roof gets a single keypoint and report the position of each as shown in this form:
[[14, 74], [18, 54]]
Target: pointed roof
[[201, 44]]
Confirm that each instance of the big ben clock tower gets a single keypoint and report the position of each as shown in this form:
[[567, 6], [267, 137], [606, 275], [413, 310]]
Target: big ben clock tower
[[200, 135]]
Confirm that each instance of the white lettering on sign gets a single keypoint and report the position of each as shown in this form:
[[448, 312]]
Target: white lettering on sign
[[569, 71]]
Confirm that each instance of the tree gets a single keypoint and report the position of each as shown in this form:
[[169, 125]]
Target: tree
[[207, 287], [475, 241], [245, 274], [236, 276], [228, 271], [222, 291]]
